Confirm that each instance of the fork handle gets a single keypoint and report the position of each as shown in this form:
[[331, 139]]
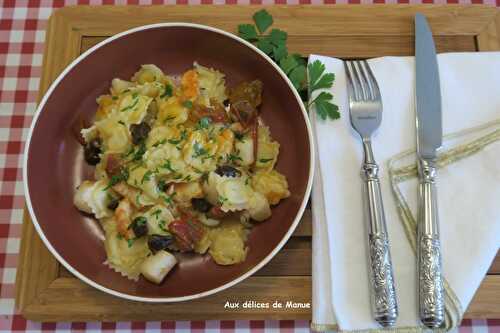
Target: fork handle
[[430, 282], [383, 295]]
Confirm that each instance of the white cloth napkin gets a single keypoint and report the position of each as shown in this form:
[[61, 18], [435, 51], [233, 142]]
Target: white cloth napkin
[[468, 189]]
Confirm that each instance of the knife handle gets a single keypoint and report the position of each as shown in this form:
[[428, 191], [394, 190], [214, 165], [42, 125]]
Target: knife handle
[[430, 282], [383, 295]]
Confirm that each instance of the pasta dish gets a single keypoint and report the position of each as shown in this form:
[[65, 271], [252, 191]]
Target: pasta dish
[[182, 164]]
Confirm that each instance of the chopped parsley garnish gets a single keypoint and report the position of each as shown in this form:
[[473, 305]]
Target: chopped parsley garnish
[[127, 154], [180, 139], [115, 179], [187, 178], [169, 198], [167, 165], [221, 199], [161, 142], [177, 176], [187, 104], [140, 151], [114, 98], [197, 170], [167, 92], [174, 141], [265, 160], [147, 176], [134, 95], [156, 213], [162, 185], [199, 150], [233, 158], [130, 242], [130, 106], [162, 224]]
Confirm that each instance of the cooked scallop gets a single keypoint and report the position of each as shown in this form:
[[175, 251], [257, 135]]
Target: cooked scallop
[[234, 195], [156, 267], [83, 196], [92, 197]]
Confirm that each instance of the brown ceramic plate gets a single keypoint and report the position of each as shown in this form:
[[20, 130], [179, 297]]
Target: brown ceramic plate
[[54, 164]]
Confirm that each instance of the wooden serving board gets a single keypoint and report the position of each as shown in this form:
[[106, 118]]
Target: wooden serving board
[[47, 292]]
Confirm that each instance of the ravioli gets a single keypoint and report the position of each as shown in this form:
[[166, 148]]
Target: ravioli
[[228, 243], [123, 256]]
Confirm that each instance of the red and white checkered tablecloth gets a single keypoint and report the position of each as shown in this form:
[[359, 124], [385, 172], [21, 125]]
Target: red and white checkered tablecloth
[[22, 34]]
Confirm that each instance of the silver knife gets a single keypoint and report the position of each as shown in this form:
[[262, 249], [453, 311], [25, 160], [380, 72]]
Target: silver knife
[[429, 140]]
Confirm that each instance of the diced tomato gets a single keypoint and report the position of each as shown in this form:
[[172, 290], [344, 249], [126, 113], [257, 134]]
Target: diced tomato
[[187, 231]]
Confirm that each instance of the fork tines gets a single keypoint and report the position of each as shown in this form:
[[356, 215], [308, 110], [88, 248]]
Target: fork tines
[[361, 80]]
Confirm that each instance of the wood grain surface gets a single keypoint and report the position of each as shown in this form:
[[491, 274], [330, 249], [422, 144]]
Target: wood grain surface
[[45, 291]]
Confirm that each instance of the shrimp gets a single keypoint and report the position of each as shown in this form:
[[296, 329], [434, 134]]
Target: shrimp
[[225, 142], [123, 214], [189, 83]]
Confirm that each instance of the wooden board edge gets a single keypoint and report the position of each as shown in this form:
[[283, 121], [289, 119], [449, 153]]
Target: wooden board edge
[[484, 304], [88, 304], [105, 20], [489, 38], [68, 299], [59, 52], [34, 260]]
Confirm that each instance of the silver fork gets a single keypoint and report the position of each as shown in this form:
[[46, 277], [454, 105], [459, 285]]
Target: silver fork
[[365, 109]]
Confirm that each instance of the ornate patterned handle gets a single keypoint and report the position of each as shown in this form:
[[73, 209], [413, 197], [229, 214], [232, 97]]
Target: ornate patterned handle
[[430, 282], [384, 302], [385, 307]]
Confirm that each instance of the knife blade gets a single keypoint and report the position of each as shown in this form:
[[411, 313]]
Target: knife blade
[[429, 140], [428, 91]]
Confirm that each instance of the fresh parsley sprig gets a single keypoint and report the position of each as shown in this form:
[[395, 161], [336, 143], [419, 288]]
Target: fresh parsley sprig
[[318, 79], [305, 78], [273, 44]]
